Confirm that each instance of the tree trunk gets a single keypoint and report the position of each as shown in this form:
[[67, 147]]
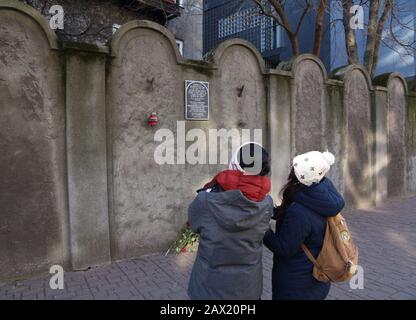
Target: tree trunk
[[388, 7], [294, 44], [293, 37], [371, 35], [319, 28], [350, 39]]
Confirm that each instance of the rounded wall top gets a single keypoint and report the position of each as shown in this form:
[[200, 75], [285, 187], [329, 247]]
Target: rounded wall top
[[293, 64], [385, 80], [216, 54], [344, 73], [143, 24], [36, 16]]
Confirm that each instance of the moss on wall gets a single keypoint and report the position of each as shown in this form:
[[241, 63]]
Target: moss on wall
[[411, 122], [200, 66], [84, 47], [382, 80]]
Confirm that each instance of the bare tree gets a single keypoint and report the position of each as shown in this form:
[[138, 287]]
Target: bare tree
[[319, 27], [350, 37], [375, 27], [276, 9], [386, 20]]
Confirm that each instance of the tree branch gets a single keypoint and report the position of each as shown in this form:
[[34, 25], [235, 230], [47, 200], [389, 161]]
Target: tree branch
[[371, 35], [319, 27], [388, 7], [305, 11], [350, 38]]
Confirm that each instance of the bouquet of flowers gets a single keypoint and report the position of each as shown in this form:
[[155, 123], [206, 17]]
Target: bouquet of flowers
[[187, 242]]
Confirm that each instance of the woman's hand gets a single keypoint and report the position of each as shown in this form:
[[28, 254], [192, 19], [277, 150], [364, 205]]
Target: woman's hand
[[267, 236], [272, 225], [275, 212]]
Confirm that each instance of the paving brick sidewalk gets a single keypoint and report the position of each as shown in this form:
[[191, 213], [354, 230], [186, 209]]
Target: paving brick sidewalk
[[386, 237]]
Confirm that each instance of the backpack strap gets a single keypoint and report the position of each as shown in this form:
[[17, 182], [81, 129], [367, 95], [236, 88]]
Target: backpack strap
[[310, 256], [313, 260]]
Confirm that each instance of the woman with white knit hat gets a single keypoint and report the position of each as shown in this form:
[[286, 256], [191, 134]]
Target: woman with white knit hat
[[309, 198]]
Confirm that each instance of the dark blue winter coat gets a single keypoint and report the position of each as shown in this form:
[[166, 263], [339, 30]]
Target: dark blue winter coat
[[304, 222]]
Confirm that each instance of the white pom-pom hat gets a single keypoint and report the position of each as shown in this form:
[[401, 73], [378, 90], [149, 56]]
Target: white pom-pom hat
[[312, 167]]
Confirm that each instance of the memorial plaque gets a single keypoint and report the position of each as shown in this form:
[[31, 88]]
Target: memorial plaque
[[196, 100]]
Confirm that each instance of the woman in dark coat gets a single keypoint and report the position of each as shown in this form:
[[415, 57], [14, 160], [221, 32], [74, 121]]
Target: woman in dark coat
[[308, 200], [231, 215]]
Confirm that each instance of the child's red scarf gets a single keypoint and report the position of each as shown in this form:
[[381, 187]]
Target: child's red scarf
[[254, 188]]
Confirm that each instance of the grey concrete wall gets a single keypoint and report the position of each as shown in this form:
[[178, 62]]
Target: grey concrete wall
[[279, 115], [381, 159], [411, 142], [80, 186], [358, 135], [33, 213], [308, 104], [335, 130], [87, 156], [146, 210], [141, 223], [396, 124], [240, 87]]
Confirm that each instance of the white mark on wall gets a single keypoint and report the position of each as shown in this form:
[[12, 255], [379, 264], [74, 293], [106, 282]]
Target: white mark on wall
[[57, 19]]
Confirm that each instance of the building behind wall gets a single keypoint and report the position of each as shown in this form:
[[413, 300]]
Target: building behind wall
[[187, 29], [94, 21], [201, 25], [242, 19]]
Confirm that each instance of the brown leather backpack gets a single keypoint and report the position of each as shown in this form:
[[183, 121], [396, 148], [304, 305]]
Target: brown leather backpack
[[338, 259]]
